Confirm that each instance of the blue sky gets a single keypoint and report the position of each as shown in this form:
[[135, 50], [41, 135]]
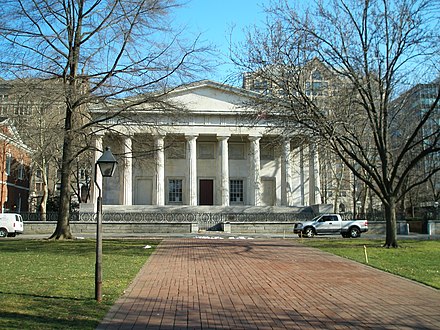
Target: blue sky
[[214, 19]]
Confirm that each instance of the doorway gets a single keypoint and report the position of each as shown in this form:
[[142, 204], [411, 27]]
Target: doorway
[[206, 192]]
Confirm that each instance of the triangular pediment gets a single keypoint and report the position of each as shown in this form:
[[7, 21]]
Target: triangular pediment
[[207, 96], [9, 133], [7, 129]]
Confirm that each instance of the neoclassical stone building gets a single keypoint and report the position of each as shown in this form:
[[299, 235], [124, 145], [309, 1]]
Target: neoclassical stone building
[[211, 154]]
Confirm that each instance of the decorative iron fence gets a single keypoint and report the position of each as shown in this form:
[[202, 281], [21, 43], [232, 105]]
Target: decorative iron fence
[[50, 216], [201, 218], [162, 217]]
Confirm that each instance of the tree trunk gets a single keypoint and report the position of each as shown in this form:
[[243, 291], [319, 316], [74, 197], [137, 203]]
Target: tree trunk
[[62, 230], [391, 223], [43, 204]]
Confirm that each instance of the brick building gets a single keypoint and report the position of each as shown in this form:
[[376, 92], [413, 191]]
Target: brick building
[[15, 159]]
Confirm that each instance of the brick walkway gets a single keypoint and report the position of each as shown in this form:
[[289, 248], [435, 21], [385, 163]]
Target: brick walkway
[[267, 284]]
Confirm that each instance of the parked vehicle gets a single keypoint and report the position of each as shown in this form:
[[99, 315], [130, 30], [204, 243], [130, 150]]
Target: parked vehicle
[[328, 224], [11, 224]]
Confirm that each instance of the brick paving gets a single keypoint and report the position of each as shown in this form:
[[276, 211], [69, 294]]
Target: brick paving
[[267, 284]]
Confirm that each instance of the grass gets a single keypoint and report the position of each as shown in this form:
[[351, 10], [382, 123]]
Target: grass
[[414, 259], [51, 284]]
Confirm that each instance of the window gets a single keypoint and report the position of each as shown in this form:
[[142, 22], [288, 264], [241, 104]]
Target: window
[[176, 150], [175, 190], [205, 150], [236, 192], [83, 175], [317, 86], [39, 180], [328, 218], [3, 104], [316, 75], [8, 164], [20, 175], [236, 151]]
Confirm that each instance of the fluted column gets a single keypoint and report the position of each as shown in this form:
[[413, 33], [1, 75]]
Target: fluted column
[[127, 178], [224, 169], [302, 177], [318, 196], [160, 169], [297, 180], [286, 173], [313, 175], [255, 184], [192, 168]]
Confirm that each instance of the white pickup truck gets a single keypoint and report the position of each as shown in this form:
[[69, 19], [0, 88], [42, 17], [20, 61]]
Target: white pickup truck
[[328, 224]]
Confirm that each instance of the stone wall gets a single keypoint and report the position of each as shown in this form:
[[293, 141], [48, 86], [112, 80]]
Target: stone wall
[[77, 227]]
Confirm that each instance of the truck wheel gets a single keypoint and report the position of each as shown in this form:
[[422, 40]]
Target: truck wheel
[[309, 232], [3, 232], [354, 232]]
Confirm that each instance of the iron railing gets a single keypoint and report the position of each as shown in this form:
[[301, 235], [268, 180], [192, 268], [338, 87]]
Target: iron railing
[[162, 217], [193, 217]]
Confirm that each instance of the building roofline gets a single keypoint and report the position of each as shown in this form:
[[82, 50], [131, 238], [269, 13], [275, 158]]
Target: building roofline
[[215, 85]]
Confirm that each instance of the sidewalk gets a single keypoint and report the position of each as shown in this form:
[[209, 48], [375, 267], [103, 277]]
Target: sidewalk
[[267, 284]]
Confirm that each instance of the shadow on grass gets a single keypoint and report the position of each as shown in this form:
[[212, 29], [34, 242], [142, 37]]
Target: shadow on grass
[[21, 294], [32, 311], [47, 284], [75, 247], [22, 320]]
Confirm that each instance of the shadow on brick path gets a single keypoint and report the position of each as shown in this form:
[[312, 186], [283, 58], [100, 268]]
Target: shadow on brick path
[[267, 284]]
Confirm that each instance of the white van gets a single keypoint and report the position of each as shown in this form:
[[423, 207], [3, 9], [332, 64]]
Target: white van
[[11, 224]]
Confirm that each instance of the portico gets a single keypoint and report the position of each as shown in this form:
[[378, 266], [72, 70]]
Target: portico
[[209, 157]]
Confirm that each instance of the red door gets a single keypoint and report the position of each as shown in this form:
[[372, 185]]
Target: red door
[[206, 192]]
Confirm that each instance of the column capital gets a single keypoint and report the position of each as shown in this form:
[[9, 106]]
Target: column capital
[[254, 137], [158, 136], [189, 137], [159, 141], [223, 137], [99, 133]]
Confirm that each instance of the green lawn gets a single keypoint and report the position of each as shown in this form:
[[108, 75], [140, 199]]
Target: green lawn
[[51, 284], [414, 259]]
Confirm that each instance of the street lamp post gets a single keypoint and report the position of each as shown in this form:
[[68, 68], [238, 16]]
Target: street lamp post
[[107, 165]]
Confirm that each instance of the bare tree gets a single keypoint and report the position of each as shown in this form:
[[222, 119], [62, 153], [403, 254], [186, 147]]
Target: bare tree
[[99, 51], [38, 117], [370, 52]]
